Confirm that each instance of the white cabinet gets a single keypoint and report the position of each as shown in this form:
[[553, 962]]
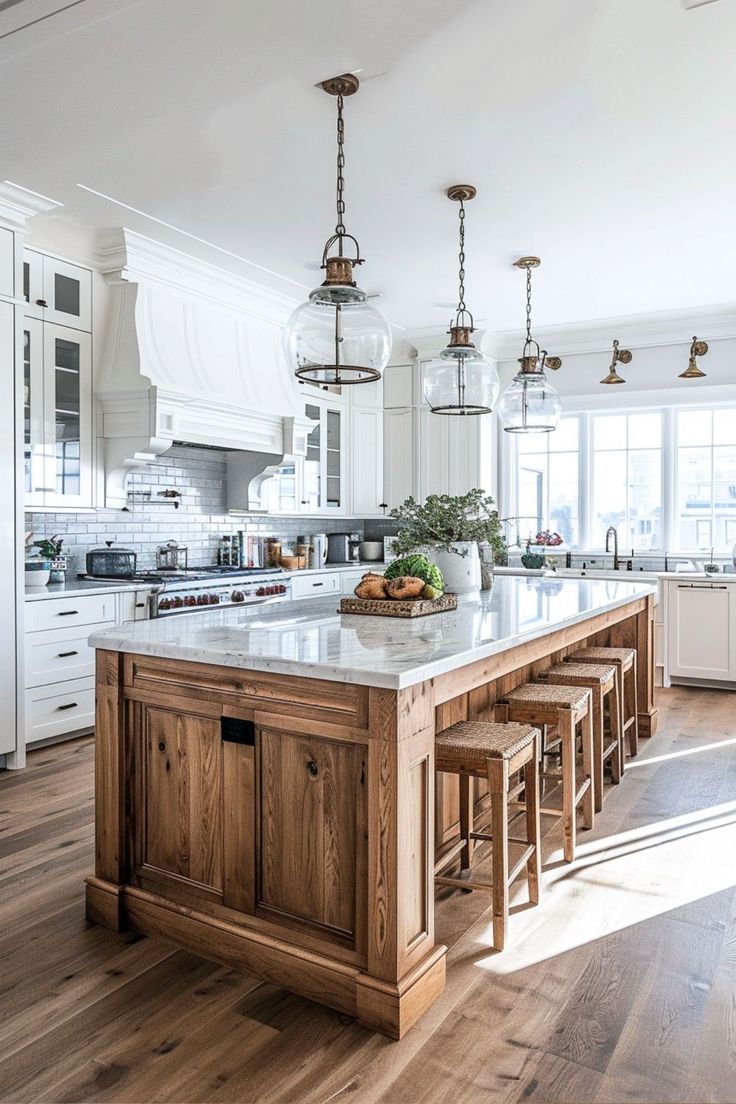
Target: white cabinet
[[398, 456], [317, 482], [57, 414], [701, 630], [350, 579], [57, 291], [366, 462], [60, 664], [7, 262], [316, 586], [426, 453]]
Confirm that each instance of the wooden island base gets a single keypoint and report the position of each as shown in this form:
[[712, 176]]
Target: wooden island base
[[287, 826]]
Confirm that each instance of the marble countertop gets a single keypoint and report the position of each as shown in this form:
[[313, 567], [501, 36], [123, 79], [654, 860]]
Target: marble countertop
[[312, 639], [86, 586]]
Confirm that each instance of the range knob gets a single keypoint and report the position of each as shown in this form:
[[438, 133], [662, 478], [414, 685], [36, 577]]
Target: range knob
[[260, 592], [282, 589], [214, 599], [237, 596]]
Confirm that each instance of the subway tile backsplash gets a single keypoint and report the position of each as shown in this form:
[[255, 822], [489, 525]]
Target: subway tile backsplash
[[199, 521]]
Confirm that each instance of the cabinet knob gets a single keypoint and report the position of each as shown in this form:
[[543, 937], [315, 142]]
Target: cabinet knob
[[41, 303], [383, 505], [313, 768]]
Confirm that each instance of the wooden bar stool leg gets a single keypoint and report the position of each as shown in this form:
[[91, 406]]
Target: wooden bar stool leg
[[634, 728], [598, 748], [617, 759], [588, 797], [533, 825], [567, 738], [498, 784], [466, 819]]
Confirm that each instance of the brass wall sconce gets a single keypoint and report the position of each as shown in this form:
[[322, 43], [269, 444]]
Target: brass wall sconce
[[620, 356], [697, 349]]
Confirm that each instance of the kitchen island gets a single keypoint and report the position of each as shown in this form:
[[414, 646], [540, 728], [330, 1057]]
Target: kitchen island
[[265, 787]]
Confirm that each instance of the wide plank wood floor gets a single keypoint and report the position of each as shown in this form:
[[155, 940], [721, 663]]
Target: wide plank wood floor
[[620, 987]]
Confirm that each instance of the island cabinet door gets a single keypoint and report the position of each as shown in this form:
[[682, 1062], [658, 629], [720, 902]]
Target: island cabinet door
[[313, 843], [175, 801]]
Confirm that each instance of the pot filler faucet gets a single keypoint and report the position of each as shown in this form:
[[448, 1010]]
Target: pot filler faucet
[[612, 530]]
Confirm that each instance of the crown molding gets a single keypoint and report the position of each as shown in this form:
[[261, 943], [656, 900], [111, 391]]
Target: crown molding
[[637, 331], [123, 255], [18, 204]]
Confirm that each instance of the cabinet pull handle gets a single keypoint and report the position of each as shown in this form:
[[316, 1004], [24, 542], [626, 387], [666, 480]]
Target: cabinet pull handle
[[305, 502], [140, 605], [383, 505], [313, 768], [49, 489], [70, 705], [41, 303], [317, 584], [67, 613], [63, 655]]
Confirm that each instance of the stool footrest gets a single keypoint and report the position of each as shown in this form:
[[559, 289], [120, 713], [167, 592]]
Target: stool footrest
[[462, 883]]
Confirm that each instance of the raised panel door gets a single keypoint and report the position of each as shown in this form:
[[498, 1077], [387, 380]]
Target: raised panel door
[[366, 462], [313, 837], [701, 630], [398, 456], [179, 786]]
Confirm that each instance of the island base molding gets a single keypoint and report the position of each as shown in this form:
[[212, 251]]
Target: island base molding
[[390, 1008]]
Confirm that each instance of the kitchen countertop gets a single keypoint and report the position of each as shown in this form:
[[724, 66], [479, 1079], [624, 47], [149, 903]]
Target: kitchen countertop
[[114, 586], [625, 576], [310, 638]]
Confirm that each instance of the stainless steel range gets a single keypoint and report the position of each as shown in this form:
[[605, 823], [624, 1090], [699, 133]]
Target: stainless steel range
[[199, 591]]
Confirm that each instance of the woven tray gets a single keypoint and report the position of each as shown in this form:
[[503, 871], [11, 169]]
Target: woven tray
[[390, 607]]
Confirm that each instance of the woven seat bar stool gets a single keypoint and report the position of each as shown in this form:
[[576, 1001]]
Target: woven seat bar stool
[[601, 680], [625, 661], [539, 704], [498, 752]]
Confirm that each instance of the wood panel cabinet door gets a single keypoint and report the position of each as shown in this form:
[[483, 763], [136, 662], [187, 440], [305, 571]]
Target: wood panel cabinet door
[[312, 852], [175, 799]]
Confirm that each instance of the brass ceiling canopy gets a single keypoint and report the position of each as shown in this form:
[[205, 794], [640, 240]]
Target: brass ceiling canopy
[[347, 84], [697, 349], [620, 356]]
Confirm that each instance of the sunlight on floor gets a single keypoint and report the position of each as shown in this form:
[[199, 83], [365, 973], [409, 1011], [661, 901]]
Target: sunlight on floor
[[647, 761]]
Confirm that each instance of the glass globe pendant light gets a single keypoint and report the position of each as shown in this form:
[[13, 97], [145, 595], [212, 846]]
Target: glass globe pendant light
[[530, 404], [337, 337], [461, 380]]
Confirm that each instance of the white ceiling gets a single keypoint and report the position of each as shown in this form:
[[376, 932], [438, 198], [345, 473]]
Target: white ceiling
[[599, 134]]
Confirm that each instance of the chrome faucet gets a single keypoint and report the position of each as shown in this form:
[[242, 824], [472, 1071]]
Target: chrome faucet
[[614, 530]]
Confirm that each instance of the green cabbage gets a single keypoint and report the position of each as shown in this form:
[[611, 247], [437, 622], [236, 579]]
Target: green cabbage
[[421, 568]]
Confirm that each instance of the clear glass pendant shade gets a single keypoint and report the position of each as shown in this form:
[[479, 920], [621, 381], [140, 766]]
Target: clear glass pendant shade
[[530, 405], [461, 382], [338, 337]]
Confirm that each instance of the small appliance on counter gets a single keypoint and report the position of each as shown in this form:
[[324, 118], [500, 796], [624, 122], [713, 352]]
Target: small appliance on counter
[[318, 555], [370, 551], [342, 548], [111, 563]]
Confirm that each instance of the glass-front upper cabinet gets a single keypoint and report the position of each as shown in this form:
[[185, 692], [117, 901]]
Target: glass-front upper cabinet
[[57, 291], [311, 499], [57, 415]]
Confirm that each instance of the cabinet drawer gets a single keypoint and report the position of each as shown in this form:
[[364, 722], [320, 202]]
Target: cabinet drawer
[[316, 586], [53, 711], [134, 605], [57, 655], [65, 613]]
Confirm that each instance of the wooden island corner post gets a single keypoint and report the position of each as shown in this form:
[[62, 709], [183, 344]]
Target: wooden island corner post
[[301, 850]]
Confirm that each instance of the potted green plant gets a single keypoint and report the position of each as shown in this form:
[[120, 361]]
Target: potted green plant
[[450, 528]]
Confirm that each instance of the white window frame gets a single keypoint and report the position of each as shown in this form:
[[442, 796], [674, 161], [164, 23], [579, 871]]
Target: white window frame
[[711, 398]]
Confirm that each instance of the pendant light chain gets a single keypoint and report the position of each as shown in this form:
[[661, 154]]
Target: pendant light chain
[[340, 225], [528, 305], [461, 308]]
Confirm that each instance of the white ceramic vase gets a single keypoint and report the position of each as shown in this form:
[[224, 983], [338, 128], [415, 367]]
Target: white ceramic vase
[[460, 568]]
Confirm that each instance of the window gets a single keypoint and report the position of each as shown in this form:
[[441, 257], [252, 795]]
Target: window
[[665, 478], [627, 479], [706, 479], [547, 479]]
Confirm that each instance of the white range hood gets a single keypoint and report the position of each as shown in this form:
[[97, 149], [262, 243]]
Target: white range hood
[[193, 355]]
